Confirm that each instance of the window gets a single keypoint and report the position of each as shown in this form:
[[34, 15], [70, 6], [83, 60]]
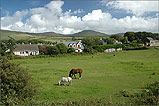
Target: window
[[70, 45], [79, 46]]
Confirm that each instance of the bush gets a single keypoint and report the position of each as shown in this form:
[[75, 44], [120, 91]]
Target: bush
[[134, 46], [88, 49], [62, 48], [17, 86], [43, 49], [149, 95], [71, 50], [99, 48], [53, 50]]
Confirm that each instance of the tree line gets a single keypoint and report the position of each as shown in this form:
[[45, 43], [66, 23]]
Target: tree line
[[130, 40], [140, 37]]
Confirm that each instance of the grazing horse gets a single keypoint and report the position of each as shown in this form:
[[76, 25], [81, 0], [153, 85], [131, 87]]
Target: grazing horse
[[66, 79], [75, 71]]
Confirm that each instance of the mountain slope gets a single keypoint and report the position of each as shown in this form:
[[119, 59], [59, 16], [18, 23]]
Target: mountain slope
[[5, 35], [89, 33], [49, 34]]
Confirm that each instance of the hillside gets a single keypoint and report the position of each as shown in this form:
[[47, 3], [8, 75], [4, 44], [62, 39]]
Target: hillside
[[89, 33], [48, 34], [5, 34]]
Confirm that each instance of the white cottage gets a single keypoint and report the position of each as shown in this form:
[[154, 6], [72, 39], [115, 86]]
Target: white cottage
[[73, 44], [26, 49], [153, 42]]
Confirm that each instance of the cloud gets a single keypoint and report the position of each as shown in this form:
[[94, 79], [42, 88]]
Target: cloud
[[95, 15], [110, 25], [138, 8], [8, 22], [51, 18], [79, 11]]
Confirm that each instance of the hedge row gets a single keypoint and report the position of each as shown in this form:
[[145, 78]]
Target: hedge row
[[101, 48]]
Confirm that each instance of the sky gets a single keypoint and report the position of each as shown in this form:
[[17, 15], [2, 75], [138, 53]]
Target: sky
[[72, 16]]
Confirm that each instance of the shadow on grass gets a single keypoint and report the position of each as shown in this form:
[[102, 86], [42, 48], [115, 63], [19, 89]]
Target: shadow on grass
[[62, 85]]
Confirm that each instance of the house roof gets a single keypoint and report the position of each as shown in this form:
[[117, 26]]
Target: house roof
[[29, 47], [149, 38]]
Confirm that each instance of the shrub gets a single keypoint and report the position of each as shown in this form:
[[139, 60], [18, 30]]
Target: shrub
[[43, 49], [53, 50], [62, 48], [149, 95], [88, 49], [99, 48], [3, 48], [134, 46], [71, 50], [17, 86]]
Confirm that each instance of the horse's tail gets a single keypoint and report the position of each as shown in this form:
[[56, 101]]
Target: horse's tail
[[80, 73], [59, 82]]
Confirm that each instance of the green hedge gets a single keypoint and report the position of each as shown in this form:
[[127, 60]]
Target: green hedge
[[134, 46], [17, 86]]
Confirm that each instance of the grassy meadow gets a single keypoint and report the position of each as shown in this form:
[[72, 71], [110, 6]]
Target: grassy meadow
[[103, 74]]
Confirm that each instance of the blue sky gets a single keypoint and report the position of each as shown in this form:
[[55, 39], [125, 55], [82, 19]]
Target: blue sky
[[71, 16]]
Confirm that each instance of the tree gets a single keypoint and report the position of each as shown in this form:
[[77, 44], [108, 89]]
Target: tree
[[53, 50], [117, 37], [3, 49], [109, 40], [43, 49], [91, 41], [130, 36], [10, 45], [62, 48], [89, 49], [125, 40], [17, 86]]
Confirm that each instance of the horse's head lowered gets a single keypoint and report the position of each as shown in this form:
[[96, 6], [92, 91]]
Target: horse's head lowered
[[75, 71]]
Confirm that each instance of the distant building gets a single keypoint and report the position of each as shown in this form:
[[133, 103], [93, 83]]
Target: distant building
[[26, 49], [117, 42], [103, 42], [112, 49], [153, 42], [74, 44]]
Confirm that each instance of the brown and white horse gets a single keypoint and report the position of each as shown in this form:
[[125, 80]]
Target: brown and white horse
[[75, 71]]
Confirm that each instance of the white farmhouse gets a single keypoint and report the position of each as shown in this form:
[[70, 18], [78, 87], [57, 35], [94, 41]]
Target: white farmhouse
[[153, 42], [26, 49], [74, 44]]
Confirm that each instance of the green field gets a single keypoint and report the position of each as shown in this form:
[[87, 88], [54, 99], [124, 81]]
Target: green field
[[103, 75]]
